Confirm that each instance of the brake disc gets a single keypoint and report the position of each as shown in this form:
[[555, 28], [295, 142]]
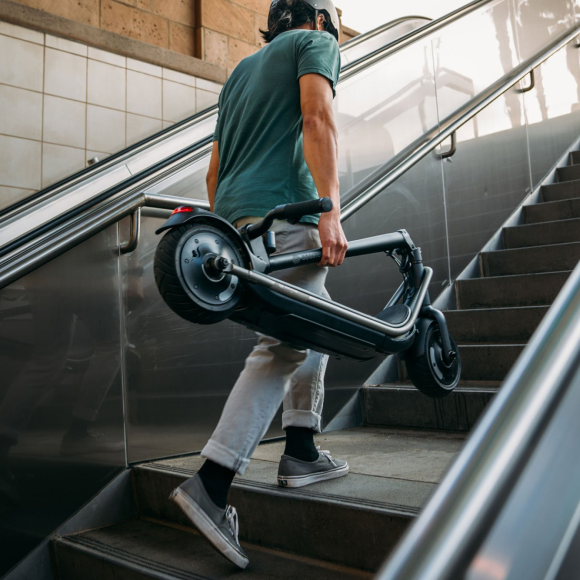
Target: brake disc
[[216, 292]]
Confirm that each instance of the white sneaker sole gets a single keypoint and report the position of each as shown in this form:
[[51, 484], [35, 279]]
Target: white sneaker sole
[[206, 526], [302, 480]]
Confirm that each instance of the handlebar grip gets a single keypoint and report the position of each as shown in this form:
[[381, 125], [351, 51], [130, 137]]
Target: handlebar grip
[[294, 211]]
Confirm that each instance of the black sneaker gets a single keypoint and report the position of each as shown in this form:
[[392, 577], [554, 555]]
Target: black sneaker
[[297, 473], [219, 526]]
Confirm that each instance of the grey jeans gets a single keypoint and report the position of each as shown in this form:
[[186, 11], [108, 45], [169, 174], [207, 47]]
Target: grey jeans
[[274, 372]]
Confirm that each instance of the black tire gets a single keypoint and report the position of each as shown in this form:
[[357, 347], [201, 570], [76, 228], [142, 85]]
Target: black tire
[[428, 372], [170, 281]]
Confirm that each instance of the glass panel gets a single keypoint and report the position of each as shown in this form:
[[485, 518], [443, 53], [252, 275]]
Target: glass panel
[[486, 180], [178, 374], [540, 22], [552, 110], [415, 203], [188, 182], [487, 53], [350, 53], [60, 388], [382, 110], [489, 175]]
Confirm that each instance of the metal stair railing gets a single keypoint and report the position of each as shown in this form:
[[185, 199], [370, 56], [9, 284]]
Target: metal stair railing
[[443, 541]]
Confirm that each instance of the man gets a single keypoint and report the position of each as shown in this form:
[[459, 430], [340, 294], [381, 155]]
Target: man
[[275, 142]]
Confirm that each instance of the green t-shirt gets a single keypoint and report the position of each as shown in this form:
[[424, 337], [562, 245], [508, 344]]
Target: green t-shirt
[[259, 128]]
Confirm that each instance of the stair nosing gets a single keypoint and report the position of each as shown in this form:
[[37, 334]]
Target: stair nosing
[[545, 306], [514, 276], [543, 224], [123, 558], [524, 248], [541, 203], [556, 183], [385, 508], [457, 389]]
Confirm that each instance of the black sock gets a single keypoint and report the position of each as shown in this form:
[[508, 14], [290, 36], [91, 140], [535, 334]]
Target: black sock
[[217, 481], [300, 444]]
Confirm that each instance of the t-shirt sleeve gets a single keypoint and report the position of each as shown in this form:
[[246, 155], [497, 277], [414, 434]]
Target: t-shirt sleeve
[[218, 125], [318, 53]]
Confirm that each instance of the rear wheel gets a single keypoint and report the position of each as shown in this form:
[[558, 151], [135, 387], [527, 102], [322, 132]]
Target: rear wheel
[[429, 372], [183, 281]]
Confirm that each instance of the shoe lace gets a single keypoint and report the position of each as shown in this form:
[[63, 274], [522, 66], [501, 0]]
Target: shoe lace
[[232, 517], [326, 454]]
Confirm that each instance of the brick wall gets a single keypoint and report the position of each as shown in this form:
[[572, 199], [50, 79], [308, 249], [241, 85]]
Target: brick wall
[[165, 23], [229, 30], [220, 32]]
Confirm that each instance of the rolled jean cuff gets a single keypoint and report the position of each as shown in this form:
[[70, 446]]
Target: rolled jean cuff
[[299, 418], [225, 457]]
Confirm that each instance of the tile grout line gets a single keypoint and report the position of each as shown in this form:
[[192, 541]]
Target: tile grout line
[[85, 164], [126, 106], [42, 112]]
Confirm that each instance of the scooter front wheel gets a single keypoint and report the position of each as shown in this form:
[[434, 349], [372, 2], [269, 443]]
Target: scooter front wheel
[[184, 282], [429, 372]]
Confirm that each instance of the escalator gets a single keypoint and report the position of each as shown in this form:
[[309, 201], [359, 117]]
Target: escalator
[[67, 269]]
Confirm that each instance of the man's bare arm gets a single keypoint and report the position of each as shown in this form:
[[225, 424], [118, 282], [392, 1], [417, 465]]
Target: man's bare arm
[[212, 174], [321, 155]]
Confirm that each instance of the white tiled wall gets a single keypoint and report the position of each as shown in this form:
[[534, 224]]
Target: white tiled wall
[[63, 103]]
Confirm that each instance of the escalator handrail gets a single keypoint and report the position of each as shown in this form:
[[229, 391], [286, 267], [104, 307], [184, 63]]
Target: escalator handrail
[[355, 41], [167, 133], [387, 174], [453, 525]]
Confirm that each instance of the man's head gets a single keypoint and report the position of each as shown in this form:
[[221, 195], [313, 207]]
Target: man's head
[[290, 14]]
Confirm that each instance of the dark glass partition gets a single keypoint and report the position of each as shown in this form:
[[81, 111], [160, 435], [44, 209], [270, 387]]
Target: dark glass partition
[[61, 398]]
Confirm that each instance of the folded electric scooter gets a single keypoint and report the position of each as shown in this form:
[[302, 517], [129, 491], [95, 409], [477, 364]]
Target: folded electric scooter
[[207, 270]]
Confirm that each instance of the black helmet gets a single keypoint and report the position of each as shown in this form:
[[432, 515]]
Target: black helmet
[[328, 7], [280, 17]]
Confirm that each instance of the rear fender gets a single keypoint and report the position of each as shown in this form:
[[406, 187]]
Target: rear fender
[[186, 214], [182, 215]]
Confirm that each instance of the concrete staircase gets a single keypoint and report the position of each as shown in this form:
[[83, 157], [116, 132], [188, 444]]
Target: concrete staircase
[[498, 312], [345, 528]]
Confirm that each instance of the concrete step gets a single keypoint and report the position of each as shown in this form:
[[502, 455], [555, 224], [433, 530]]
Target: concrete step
[[570, 173], [392, 473], [542, 234], [552, 211], [402, 405], [488, 362], [538, 259], [575, 158], [495, 324], [506, 291], [560, 191], [143, 549]]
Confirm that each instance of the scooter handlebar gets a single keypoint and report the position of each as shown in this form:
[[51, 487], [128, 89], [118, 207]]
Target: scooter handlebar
[[291, 212], [295, 211]]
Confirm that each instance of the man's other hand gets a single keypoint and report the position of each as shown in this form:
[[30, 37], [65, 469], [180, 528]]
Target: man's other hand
[[334, 244]]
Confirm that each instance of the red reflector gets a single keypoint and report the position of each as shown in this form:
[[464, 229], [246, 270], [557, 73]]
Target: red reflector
[[182, 209]]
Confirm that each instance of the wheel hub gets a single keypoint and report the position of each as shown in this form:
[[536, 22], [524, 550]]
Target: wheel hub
[[213, 290]]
